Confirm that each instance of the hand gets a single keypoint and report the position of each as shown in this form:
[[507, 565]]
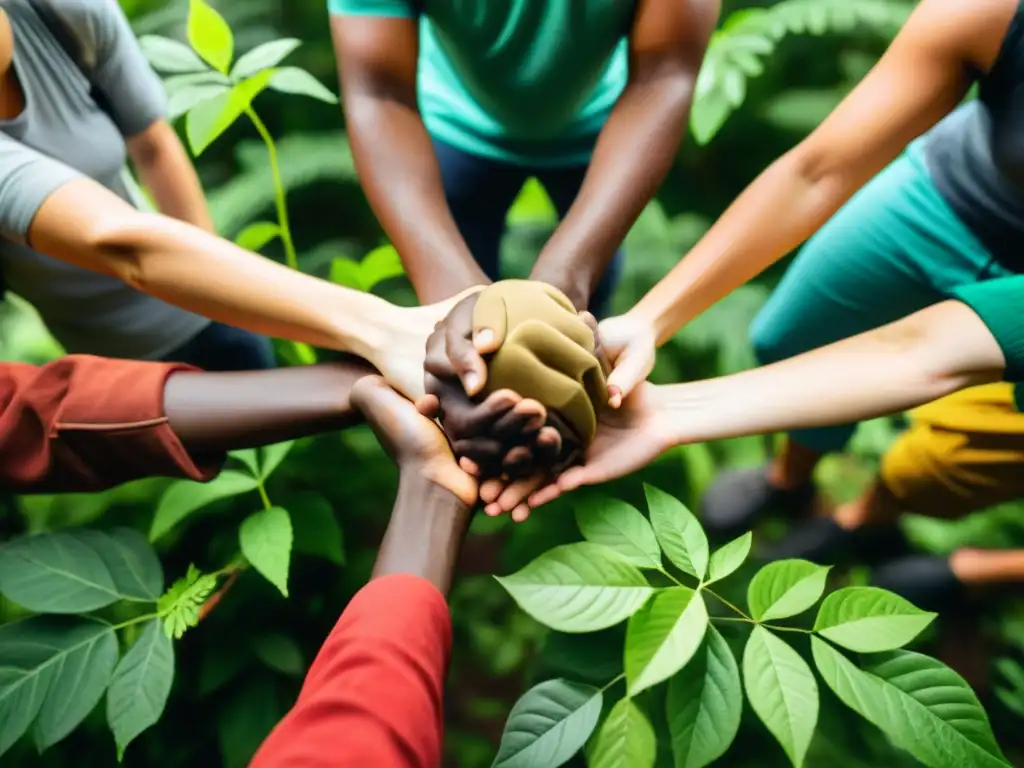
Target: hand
[[630, 343], [411, 439]]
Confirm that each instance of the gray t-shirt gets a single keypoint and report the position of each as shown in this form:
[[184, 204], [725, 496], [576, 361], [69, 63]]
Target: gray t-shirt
[[60, 136]]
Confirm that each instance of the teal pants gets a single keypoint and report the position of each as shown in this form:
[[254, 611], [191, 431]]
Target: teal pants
[[895, 248]]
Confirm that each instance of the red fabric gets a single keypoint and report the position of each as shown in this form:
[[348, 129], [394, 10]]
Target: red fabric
[[85, 423], [373, 697]]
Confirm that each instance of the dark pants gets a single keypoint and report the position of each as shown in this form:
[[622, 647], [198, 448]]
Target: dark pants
[[220, 347], [479, 192]]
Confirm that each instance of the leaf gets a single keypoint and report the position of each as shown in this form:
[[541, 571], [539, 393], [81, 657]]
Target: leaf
[[578, 588], [185, 100], [662, 636], [257, 235], [266, 541], [626, 739], [131, 562], [141, 684], [348, 273], [205, 123], [280, 652], [679, 532], [620, 527], [869, 619], [548, 725], [380, 264], [166, 55], [921, 704], [782, 691], [725, 561], [316, 529], [184, 497], [181, 603], [271, 457], [785, 588], [263, 57], [301, 83], [209, 35], [249, 457], [705, 704]]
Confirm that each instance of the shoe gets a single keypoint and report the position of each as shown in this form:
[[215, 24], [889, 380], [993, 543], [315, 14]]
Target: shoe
[[925, 580], [739, 499], [822, 540]]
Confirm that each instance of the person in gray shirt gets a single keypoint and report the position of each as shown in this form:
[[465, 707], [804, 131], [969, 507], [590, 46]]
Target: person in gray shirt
[[48, 110]]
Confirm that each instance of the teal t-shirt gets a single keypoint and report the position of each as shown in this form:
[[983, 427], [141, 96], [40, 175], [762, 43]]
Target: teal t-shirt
[[524, 81], [998, 303]]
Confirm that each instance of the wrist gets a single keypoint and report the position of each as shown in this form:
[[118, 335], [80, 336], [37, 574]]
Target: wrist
[[575, 284]]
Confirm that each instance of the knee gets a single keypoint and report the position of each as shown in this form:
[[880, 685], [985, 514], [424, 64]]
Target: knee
[[921, 471]]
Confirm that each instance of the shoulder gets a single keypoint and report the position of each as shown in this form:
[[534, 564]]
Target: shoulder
[[94, 22]]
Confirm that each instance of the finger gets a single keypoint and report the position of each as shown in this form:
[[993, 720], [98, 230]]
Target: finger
[[528, 416], [614, 397], [490, 490], [544, 495], [464, 418], [520, 513], [429, 406], [599, 353], [486, 454], [519, 462], [469, 466], [516, 493], [630, 371], [489, 323], [493, 510]]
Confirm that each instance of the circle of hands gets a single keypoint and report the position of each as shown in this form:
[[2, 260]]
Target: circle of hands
[[503, 451]]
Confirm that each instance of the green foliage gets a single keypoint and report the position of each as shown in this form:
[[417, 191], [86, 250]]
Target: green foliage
[[626, 738], [181, 604], [266, 541], [140, 686]]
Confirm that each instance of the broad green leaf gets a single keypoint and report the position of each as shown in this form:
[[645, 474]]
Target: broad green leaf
[[921, 704], [249, 457], [55, 670], [300, 82], [205, 123], [620, 527], [782, 691], [184, 497], [271, 457], [725, 561], [257, 235], [184, 100], [316, 528], [662, 636], [209, 35], [869, 619], [130, 560], [181, 604], [626, 739], [141, 685], [279, 652], [266, 541], [380, 264], [177, 83], [679, 532], [709, 114], [785, 588], [166, 55], [548, 725], [578, 588], [348, 273], [263, 57], [705, 704]]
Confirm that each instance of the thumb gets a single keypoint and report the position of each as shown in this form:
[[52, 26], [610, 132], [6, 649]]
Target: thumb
[[490, 322], [631, 369]]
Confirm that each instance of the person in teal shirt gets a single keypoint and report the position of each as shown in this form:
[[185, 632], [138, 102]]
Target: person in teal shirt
[[452, 104]]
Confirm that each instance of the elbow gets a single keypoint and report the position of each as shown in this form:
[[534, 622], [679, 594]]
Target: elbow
[[120, 243]]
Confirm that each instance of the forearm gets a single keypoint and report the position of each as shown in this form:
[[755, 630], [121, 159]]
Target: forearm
[[399, 171], [213, 413], [165, 169], [425, 535], [633, 153]]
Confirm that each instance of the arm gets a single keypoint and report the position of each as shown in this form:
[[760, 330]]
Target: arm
[[921, 78], [165, 170], [377, 49], [637, 145]]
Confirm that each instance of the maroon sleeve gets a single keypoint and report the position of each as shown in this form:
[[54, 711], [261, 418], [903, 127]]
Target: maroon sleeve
[[85, 423], [373, 696]]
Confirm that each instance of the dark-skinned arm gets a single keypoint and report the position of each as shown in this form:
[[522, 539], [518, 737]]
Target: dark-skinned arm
[[394, 155], [637, 145]]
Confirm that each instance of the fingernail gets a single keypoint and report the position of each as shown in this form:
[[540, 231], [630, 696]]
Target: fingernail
[[472, 383], [485, 337]]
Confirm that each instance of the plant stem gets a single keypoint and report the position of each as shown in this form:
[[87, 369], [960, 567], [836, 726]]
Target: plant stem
[[291, 258], [740, 619], [612, 682], [726, 603], [263, 495], [137, 620], [788, 629], [670, 577]]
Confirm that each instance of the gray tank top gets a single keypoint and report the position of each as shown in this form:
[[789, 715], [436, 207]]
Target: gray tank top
[[976, 154]]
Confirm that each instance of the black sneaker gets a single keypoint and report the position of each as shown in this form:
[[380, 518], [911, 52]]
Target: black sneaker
[[822, 540], [925, 580], [739, 499]]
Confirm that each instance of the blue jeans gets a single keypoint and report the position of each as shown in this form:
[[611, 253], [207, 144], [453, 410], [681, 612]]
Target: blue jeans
[[220, 347], [479, 192]]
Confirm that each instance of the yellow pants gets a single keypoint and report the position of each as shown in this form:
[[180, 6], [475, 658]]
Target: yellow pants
[[962, 453]]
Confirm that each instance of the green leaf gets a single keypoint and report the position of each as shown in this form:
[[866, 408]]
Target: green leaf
[[301, 83], [548, 725], [316, 528], [185, 100], [785, 588], [782, 691], [205, 123], [679, 532], [263, 57], [166, 55], [257, 235], [620, 527], [869, 619], [725, 561], [705, 704], [249, 457], [921, 704], [181, 603], [141, 685], [380, 264], [279, 652], [210, 36], [663, 635], [271, 457], [348, 273], [266, 541], [626, 739], [184, 497], [578, 588], [130, 560]]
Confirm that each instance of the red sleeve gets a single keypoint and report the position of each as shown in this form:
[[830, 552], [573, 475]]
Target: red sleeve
[[85, 423], [373, 696]]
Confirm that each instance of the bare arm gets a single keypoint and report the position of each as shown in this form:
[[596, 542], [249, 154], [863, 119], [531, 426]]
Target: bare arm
[[921, 78], [165, 170], [637, 145], [394, 155]]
